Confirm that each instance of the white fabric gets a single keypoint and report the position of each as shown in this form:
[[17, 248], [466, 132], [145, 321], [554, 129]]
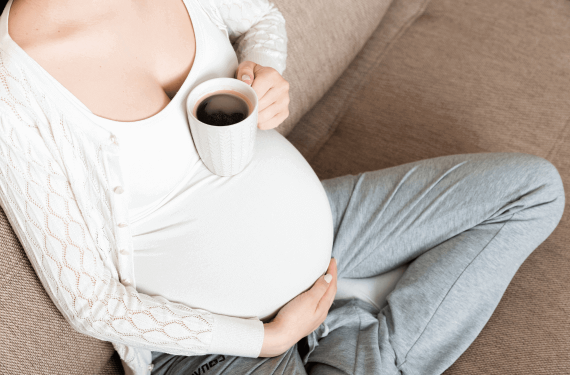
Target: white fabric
[[243, 245], [58, 176]]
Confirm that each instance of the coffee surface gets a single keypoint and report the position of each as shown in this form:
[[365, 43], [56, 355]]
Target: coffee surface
[[222, 109]]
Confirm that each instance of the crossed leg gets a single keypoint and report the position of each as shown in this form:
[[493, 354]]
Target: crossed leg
[[466, 222]]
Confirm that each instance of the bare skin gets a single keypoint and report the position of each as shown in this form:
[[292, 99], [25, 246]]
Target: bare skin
[[116, 57], [119, 59]]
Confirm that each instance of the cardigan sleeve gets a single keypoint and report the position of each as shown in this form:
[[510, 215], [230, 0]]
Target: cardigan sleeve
[[41, 207], [257, 31]]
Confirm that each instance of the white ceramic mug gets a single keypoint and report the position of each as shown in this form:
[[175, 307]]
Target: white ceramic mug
[[225, 150]]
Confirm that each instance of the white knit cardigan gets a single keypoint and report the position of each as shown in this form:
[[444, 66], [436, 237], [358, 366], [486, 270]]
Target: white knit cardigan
[[60, 187]]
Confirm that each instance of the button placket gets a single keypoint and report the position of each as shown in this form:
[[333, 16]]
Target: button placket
[[116, 181], [120, 211]]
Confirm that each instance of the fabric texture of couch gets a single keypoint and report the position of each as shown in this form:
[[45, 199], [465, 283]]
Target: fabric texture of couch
[[376, 84]]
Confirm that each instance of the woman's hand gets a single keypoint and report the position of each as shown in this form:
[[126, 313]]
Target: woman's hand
[[272, 93], [300, 316]]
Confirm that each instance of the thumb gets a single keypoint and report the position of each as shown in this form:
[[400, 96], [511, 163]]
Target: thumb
[[245, 72], [319, 288]]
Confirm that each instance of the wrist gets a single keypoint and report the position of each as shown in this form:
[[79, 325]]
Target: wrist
[[275, 341]]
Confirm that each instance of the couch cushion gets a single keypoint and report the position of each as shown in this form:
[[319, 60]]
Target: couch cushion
[[466, 77], [324, 37], [318, 124]]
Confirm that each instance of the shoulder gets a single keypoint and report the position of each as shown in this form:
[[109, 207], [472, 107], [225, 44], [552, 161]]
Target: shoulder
[[211, 8], [32, 35], [16, 81], [23, 16], [24, 107], [32, 25], [18, 90]]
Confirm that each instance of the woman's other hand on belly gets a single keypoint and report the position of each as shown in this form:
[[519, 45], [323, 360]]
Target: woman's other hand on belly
[[272, 92], [300, 316]]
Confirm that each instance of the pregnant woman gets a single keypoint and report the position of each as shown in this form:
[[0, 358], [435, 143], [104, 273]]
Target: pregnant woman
[[186, 272]]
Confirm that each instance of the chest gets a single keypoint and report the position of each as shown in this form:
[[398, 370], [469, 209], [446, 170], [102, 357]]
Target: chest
[[124, 65]]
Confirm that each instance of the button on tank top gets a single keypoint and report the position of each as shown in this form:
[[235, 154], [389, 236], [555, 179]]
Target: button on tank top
[[242, 245]]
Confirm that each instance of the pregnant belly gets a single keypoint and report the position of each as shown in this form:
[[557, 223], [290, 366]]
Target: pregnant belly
[[243, 245]]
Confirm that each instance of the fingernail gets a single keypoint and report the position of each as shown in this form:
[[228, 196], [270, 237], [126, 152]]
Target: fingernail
[[328, 277], [245, 77]]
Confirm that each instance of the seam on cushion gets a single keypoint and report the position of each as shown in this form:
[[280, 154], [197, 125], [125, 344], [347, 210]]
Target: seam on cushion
[[455, 282], [357, 86]]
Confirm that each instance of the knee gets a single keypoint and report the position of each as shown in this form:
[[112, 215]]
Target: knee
[[545, 173], [547, 177]]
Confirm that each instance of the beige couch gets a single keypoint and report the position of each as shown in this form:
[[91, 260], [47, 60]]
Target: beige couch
[[377, 83]]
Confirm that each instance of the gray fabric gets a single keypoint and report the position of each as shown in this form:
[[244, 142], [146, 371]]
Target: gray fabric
[[467, 221]]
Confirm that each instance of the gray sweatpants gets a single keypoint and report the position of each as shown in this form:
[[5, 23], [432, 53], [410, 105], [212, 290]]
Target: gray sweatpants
[[467, 221]]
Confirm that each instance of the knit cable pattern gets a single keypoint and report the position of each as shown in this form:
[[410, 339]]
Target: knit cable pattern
[[255, 27], [66, 253]]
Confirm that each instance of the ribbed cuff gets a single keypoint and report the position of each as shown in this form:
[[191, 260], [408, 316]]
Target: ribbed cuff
[[265, 59], [237, 336]]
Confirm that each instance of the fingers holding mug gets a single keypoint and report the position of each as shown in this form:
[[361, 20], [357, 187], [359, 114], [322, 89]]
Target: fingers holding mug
[[273, 115], [272, 92]]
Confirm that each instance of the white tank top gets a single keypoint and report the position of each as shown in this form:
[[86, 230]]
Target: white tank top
[[241, 246]]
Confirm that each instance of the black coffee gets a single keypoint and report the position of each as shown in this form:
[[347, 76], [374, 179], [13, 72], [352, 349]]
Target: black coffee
[[222, 109]]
